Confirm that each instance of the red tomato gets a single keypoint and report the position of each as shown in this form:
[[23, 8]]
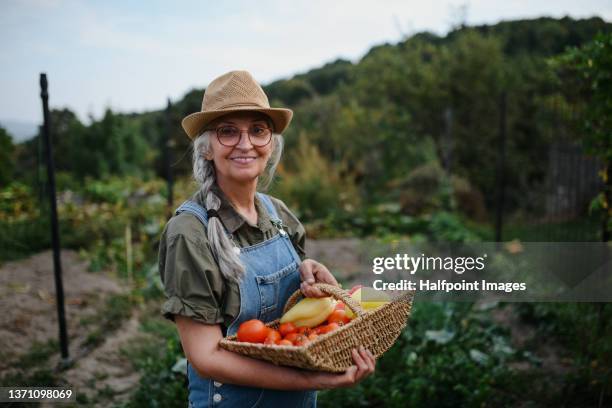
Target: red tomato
[[292, 336], [273, 337], [300, 340], [338, 316], [253, 331], [312, 336], [330, 327], [305, 330], [286, 328], [285, 342]]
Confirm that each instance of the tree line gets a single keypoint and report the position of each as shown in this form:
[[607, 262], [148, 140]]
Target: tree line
[[371, 128]]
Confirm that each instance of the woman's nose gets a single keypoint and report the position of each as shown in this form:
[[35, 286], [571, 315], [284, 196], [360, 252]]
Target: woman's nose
[[245, 141]]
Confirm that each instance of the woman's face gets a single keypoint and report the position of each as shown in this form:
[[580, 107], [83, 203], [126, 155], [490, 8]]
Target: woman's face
[[244, 162]]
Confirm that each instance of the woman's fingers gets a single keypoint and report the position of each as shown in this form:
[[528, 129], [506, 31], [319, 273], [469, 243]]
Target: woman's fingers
[[350, 376], [364, 366], [311, 291], [306, 271], [371, 360], [359, 359], [311, 272], [363, 362]]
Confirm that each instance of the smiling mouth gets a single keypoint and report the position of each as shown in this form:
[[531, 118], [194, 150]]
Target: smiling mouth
[[243, 159]]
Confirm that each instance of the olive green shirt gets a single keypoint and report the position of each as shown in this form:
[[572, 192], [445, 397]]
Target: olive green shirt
[[193, 283]]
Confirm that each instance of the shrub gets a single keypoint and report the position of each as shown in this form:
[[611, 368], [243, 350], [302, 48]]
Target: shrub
[[317, 188]]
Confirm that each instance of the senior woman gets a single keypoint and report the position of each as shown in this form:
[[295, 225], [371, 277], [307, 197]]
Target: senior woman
[[231, 254]]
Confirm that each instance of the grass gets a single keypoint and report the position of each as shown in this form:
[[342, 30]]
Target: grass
[[117, 309], [32, 369], [39, 353]]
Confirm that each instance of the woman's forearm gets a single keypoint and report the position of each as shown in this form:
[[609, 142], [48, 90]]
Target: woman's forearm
[[232, 368]]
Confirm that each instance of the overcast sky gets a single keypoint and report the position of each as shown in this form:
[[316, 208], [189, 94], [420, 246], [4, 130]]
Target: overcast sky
[[132, 57]]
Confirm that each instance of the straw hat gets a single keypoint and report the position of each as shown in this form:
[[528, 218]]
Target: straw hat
[[231, 92]]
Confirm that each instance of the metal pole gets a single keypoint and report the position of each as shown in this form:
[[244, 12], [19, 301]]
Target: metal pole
[[501, 168], [168, 154], [40, 185], [57, 265]]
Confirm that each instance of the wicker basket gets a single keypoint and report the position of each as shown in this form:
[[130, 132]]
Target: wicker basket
[[376, 330]]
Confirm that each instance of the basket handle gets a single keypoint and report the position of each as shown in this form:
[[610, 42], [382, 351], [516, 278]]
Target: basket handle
[[333, 291]]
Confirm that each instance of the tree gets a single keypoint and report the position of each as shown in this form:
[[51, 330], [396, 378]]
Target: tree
[[6, 157], [586, 76]]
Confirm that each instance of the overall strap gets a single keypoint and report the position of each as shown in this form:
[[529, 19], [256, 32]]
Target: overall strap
[[193, 208], [267, 202], [200, 212]]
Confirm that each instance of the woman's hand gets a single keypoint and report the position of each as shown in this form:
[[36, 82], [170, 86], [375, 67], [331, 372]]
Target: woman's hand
[[312, 272], [365, 365]]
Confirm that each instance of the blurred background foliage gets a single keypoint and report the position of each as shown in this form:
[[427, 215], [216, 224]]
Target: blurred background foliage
[[403, 143]]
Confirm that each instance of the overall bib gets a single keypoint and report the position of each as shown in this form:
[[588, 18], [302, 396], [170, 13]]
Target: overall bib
[[272, 275]]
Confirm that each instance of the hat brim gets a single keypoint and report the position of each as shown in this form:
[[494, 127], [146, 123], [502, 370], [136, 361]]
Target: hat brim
[[194, 124]]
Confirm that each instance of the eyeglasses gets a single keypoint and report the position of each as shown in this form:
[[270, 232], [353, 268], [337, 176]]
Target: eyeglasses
[[229, 136]]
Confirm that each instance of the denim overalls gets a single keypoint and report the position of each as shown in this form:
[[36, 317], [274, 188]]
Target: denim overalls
[[271, 276]]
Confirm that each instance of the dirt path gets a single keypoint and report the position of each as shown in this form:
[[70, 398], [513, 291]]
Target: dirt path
[[105, 374], [29, 330], [28, 300]]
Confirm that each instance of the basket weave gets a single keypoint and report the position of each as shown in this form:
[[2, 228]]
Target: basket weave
[[376, 330]]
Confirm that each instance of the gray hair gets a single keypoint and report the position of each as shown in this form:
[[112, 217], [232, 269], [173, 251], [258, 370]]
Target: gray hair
[[204, 174]]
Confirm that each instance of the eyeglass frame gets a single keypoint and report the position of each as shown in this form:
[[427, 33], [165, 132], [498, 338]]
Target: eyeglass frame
[[216, 129]]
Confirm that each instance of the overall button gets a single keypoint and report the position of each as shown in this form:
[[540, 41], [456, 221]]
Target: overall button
[[217, 384], [217, 397]]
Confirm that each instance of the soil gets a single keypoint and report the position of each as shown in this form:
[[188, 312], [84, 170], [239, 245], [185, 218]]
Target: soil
[[101, 374], [29, 325]]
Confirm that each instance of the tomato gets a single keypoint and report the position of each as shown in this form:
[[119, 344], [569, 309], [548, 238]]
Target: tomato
[[317, 330], [338, 316], [305, 330], [286, 328], [301, 340], [292, 336], [253, 331], [328, 328], [273, 337], [285, 342]]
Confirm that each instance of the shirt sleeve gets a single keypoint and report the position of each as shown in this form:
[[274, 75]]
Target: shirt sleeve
[[297, 232], [192, 282]]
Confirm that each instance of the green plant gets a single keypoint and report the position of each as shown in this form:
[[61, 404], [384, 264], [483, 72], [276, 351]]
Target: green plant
[[159, 385], [449, 355], [314, 187], [587, 82]]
